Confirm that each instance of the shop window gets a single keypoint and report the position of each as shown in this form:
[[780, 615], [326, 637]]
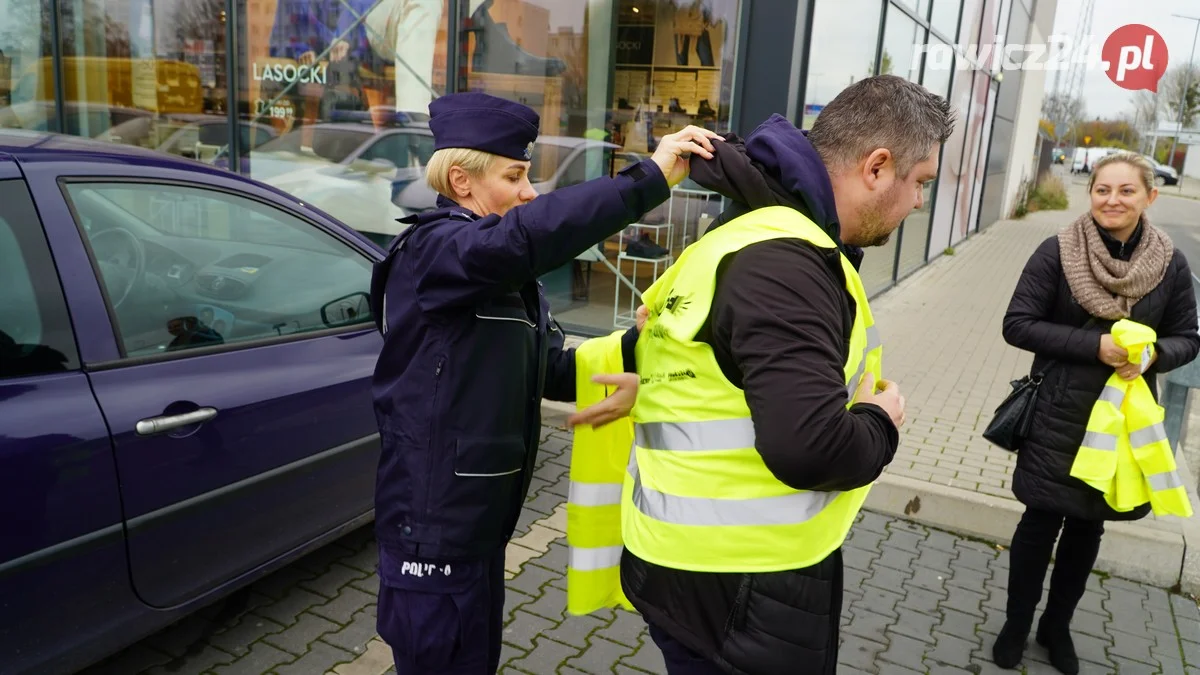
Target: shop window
[[900, 55], [344, 86], [26, 75], [144, 73], [845, 35], [673, 66], [944, 18]]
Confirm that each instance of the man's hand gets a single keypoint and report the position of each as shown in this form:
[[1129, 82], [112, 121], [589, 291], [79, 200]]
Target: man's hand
[[1111, 354], [643, 313], [308, 58], [674, 150], [614, 407], [888, 397]]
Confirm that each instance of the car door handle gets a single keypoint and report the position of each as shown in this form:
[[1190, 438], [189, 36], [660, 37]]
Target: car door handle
[[157, 425]]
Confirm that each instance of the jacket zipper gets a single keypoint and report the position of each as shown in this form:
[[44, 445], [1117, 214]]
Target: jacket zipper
[[433, 436]]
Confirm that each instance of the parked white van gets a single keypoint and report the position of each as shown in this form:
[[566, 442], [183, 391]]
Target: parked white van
[[1092, 154]]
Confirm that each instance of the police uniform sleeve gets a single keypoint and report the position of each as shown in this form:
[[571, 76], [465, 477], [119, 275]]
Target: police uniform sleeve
[[779, 312], [460, 262], [560, 367]]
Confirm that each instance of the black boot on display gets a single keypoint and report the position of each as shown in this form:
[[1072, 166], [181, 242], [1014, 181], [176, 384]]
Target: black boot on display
[[495, 51]]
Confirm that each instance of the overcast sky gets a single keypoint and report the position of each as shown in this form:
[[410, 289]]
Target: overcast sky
[[1101, 97]]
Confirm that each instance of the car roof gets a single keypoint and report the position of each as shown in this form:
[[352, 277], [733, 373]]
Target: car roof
[[40, 145], [37, 146]]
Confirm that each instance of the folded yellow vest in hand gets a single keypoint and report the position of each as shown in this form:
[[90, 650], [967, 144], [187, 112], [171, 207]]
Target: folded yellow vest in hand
[[1125, 453]]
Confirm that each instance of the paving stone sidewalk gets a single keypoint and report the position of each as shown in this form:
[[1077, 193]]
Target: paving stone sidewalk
[[916, 601]]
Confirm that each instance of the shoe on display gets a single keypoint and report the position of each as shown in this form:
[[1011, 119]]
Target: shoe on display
[[645, 247], [496, 52], [676, 108], [705, 110]]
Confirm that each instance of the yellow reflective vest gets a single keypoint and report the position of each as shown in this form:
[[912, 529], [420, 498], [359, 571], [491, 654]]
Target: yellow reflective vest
[[696, 494], [598, 458], [1125, 452]]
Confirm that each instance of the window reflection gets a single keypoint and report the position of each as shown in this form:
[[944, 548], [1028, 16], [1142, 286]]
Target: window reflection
[[843, 48], [345, 86], [944, 17], [900, 56]]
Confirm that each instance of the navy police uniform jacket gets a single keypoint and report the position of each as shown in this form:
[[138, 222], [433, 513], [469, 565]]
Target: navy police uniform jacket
[[469, 351]]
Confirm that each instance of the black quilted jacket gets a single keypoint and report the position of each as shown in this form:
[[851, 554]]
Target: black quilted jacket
[[1045, 319]]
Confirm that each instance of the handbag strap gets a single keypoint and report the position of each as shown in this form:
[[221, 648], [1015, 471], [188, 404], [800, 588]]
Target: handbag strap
[[1042, 375]]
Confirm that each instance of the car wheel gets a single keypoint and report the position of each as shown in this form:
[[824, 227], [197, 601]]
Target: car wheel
[[1160, 180]]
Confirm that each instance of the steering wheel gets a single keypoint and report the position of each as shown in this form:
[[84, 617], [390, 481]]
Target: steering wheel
[[133, 256]]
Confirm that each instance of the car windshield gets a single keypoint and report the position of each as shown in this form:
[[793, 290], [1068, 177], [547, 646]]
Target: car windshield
[[333, 144]]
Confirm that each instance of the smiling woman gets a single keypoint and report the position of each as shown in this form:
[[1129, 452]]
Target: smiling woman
[[1109, 265]]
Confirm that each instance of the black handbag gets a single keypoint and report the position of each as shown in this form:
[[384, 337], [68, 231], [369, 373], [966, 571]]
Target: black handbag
[[1010, 423]]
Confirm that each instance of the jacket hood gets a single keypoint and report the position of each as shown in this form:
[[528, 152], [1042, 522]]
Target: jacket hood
[[776, 165], [786, 155]]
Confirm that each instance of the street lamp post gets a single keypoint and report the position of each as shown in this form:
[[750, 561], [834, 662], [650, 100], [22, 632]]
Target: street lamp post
[[1187, 82]]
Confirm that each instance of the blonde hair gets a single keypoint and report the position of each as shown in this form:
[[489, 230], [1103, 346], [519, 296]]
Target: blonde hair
[[1143, 165], [437, 171]]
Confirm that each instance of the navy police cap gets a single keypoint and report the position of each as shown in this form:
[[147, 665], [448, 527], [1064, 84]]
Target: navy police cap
[[483, 122]]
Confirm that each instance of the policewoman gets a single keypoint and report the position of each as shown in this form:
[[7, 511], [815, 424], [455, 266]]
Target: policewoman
[[470, 349]]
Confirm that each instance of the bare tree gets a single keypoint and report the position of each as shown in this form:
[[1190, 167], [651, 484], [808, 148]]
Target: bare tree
[[1147, 108], [1180, 89], [1062, 108]]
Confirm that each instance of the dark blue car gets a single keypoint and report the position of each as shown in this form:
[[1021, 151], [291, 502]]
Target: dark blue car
[[185, 358]]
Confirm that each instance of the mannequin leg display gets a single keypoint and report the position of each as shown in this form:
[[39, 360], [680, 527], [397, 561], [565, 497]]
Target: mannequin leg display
[[406, 31]]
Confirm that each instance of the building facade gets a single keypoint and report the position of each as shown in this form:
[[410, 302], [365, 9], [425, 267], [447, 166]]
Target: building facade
[[329, 99]]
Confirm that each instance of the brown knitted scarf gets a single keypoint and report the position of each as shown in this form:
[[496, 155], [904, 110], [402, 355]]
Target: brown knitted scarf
[[1104, 286]]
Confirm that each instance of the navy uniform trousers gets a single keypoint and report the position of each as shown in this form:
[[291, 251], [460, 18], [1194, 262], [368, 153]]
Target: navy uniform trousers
[[442, 618]]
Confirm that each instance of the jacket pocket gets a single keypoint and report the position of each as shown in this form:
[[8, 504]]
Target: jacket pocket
[[508, 308], [488, 457]]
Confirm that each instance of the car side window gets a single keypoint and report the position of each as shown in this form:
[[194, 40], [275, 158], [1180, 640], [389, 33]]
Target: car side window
[[186, 267], [35, 331]]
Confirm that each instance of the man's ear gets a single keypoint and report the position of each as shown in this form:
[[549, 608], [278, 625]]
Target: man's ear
[[460, 181], [877, 165]]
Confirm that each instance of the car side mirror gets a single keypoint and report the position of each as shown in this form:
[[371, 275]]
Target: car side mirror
[[347, 310]]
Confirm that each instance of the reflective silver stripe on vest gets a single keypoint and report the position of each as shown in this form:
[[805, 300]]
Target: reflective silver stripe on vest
[[872, 343], [1113, 395], [1100, 441], [732, 434], [789, 509], [1164, 481], [590, 559], [1143, 437], [594, 494]]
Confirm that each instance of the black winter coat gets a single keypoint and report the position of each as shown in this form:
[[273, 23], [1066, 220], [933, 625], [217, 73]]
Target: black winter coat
[[1044, 318]]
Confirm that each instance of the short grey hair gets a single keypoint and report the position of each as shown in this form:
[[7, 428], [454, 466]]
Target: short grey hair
[[886, 111]]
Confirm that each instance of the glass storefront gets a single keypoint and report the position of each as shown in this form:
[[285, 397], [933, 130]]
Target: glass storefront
[[897, 33], [329, 99]]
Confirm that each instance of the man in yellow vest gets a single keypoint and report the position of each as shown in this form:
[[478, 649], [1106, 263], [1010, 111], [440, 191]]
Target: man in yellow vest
[[763, 415]]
